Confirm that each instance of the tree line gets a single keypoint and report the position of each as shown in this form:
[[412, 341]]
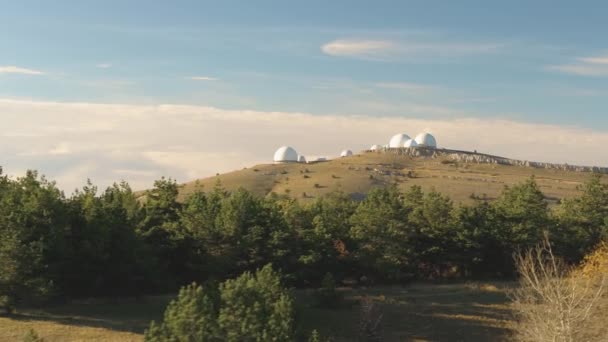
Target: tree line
[[110, 243]]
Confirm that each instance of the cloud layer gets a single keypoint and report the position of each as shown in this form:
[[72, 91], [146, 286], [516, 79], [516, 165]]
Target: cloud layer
[[585, 66], [70, 142], [400, 49], [11, 69]]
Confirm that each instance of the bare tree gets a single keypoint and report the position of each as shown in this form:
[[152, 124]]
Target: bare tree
[[556, 303], [370, 319]]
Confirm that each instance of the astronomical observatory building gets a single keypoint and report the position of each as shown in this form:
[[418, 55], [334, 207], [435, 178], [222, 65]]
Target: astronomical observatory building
[[286, 154]]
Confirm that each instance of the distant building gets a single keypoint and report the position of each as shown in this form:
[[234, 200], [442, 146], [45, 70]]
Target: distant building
[[410, 143], [398, 140], [286, 154], [346, 153], [426, 140]]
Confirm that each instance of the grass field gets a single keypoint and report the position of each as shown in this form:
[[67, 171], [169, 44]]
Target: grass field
[[358, 174], [453, 312]]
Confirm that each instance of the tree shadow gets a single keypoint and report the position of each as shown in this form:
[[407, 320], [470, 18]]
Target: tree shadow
[[426, 313], [124, 316]]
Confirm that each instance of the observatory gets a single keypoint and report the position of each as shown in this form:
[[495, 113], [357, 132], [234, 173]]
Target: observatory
[[286, 154], [375, 147], [398, 140], [301, 159], [426, 140], [410, 143], [346, 153]]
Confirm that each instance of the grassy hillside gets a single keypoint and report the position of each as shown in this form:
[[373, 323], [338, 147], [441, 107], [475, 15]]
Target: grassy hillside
[[358, 174]]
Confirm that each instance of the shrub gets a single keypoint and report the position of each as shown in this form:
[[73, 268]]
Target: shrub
[[316, 337], [556, 303], [192, 316], [252, 307], [255, 307], [327, 296], [370, 321]]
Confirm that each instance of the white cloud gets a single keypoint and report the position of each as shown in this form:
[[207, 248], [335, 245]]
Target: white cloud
[[11, 69], [584, 66], [405, 86], [358, 48], [71, 142], [104, 65], [401, 49], [594, 60], [203, 78]]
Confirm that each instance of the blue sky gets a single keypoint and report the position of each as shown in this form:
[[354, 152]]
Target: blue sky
[[536, 62], [515, 59]]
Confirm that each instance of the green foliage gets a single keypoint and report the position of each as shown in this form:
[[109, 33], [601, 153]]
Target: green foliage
[[327, 296], [382, 233], [583, 221], [315, 336], [255, 307], [110, 243], [252, 307], [32, 223], [191, 317]]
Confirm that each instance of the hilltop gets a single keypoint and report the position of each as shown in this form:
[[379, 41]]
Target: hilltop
[[461, 175]]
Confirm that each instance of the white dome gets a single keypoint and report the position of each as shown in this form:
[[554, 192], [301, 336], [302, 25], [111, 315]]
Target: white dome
[[398, 140], [426, 140], [301, 159], [410, 143], [346, 153], [375, 147], [285, 154]]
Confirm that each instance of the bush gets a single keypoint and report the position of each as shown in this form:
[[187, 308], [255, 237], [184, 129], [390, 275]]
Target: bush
[[370, 321], [327, 296], [556, 303], [255, 307], [316, 337], [252, 307], [192, 316]]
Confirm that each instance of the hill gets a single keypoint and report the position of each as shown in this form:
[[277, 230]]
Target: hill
[[459, 174]]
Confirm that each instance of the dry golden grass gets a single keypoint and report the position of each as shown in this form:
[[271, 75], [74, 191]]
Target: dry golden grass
[[362, 172], [15, 330]]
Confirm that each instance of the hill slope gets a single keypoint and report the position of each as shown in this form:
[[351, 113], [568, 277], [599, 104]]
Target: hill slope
[[360, 173]]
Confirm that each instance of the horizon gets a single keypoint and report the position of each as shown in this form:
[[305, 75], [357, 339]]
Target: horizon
[[191, 89]]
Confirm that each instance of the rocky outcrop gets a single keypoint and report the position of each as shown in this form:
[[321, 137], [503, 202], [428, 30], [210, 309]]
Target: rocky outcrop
[[480, 158]]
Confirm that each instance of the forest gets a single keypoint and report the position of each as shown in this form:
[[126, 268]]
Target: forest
[[109, 243]]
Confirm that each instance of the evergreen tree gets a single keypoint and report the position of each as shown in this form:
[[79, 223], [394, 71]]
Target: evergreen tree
[[383, 235], [583, 221], [255, 307], [191, 317]]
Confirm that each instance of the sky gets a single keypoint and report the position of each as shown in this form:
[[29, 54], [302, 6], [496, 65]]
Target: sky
[[136, 90]]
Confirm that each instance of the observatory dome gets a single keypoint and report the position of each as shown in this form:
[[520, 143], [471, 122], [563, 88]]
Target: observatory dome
[[398, 140], [346, 153], [375, 147], [301, 159], [285, 154], [410, 143], [426, 140]]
